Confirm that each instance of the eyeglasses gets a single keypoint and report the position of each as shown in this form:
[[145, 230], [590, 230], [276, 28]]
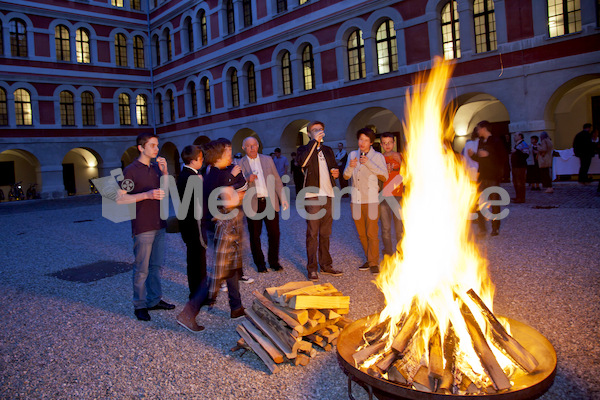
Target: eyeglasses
[[314, 131]]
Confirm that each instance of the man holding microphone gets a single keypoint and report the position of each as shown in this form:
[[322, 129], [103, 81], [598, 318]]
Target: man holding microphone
[[320, 172]]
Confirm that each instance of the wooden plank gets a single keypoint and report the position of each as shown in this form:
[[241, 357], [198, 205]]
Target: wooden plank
[[316, 315], [291, 286], [314, 329], [330, 314], [321, 290], [408, 330], [299, 315], [387, 361], [343, 321], [280, 314], [283, 340], [260, 352], [436, 357], [265, 343], [487, 358], [302, 302], [503, 340], [341, 311], [363, 354]]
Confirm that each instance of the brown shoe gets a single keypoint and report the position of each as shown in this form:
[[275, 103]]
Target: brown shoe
[[188, 321], [238, 313]]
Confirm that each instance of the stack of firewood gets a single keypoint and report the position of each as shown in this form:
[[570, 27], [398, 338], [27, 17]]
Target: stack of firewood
[[289, 322]]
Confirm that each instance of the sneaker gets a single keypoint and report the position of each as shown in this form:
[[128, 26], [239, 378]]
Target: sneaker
[[364, 267], [246, 279], [142, 314], [188, 322], [262, 269], [162, 305], [224, 287], [331, 271], [495, 232], [374, 269], [313, 276], [240, 312]]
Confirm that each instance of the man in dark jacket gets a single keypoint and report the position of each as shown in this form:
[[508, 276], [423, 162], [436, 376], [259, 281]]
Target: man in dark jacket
[[190, 232], [518, 163], [316, 160], [490, 156], [583, 148]]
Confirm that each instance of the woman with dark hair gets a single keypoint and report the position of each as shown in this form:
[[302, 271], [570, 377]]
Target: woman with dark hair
[[545, 151]]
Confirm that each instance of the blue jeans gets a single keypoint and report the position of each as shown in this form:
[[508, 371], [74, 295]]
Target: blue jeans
[[387, 216], [149, 252]]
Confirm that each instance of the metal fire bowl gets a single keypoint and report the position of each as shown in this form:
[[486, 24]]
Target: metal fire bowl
[[525, 386]]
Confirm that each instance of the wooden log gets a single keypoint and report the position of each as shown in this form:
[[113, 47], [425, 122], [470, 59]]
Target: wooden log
[[395, 374], [341, 311], [363, 354], [330, 314], [265, 343], [316, 339], [277, 291], [278, 334], [421, 380], [406, 333], [308, 331], [330, 336], [328, 347], [302, 302], [280, 314], [312, 290], [299, 315], [316, 315], [343, 321], [436, 358], [375, 332], [302, 359], [487, 358], [333, 328], [387, 361], [241, 344], [260, 352], [503, 340], [307, 348], [311, 323]]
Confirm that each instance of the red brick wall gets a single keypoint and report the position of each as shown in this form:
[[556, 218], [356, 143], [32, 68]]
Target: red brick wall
[[266, 80], [328, 66], [519, 20], [416, 43]]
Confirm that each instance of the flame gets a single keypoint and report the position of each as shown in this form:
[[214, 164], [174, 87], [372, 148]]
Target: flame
[[437, 261]]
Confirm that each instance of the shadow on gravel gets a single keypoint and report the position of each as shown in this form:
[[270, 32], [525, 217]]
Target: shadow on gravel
[[92, 272]]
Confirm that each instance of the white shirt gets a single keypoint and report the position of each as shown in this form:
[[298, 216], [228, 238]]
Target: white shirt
[[325, 188], [260, 183]]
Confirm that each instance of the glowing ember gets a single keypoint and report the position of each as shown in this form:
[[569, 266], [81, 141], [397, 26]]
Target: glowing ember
[[426, 281]]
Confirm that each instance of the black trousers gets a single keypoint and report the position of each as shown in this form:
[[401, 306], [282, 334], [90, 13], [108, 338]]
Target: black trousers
[[196, 263], [484, 184], [584, 166], [518, 175], [318, 232], [273, 234]]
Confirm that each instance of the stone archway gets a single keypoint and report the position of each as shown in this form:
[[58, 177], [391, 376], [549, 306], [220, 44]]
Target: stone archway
[[200, 140], [129, 155], [380, 120], [80, 165], [18, 165], [169, 151], [238, 139]]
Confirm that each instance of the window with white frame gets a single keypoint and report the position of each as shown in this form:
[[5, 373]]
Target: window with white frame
[[171, 102], [235, 89], [3, 107], [206, 90], [61, 40], [193, 99], [67, 108], [356, 56], [138, 52], [286, 73], [564, 16], [159, 108], [82, 46], [88, 113], [387, 51], [251, 84], [18, 38], [484, 20], [23, 109], [203, 27], [141, 109], [450, 30], [124, 109], [230, 17], [120, 50], [308, 67]]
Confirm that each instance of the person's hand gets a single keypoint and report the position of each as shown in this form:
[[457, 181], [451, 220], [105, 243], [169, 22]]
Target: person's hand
[[335, 173], [156, 194], [470, 152], [241, 197], [353, 162], [236, 170], [363, 159], [162, 165], [252, 178], [285, 205], [319, 136], [483, 153]]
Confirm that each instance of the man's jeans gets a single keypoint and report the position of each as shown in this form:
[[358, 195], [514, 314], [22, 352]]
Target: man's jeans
[[149, 252], [386, 217]]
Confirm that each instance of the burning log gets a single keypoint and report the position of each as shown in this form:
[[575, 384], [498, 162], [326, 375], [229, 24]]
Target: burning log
[[503, 340], [362, 355], [487, 358], [406, 333], [436, 359]]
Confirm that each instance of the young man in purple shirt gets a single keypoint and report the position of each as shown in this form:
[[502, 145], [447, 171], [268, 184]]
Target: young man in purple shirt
[[148, 229]]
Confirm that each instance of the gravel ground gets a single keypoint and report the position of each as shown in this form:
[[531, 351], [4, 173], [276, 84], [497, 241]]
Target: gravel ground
[[62, 339]]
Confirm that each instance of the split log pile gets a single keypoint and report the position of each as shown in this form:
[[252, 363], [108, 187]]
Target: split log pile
[[290, 322], [403, 363]]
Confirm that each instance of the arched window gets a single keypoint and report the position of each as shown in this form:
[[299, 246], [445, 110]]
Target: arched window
[[286, 73], [116, 3], [169, 44], [138, 52], [193, 99], [387, 52], [206, 89], [302, 2], [88, 113], [308, 67], [120, 50], [251, 84], [63, 47], [356, 56], [190, 33], [203, 28], [3, 108], [141, 109], [159, 107], [247, 7], [450, 31], [171, 101], [136, 5], [124, 109], [564, 16], [485, 25], [82, 46], [281, 6], [157, 49], [67, 108], [18, 38], [230, 17], [235, 89], [23, 114]]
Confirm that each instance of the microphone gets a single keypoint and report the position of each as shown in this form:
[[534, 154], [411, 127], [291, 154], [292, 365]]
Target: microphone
[[363, 153]]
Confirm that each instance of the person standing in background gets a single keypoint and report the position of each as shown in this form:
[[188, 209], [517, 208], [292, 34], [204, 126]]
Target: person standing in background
[[389, 216], [584, 149], [281, 162], [533, 168], [518, 163], [545, 151]]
